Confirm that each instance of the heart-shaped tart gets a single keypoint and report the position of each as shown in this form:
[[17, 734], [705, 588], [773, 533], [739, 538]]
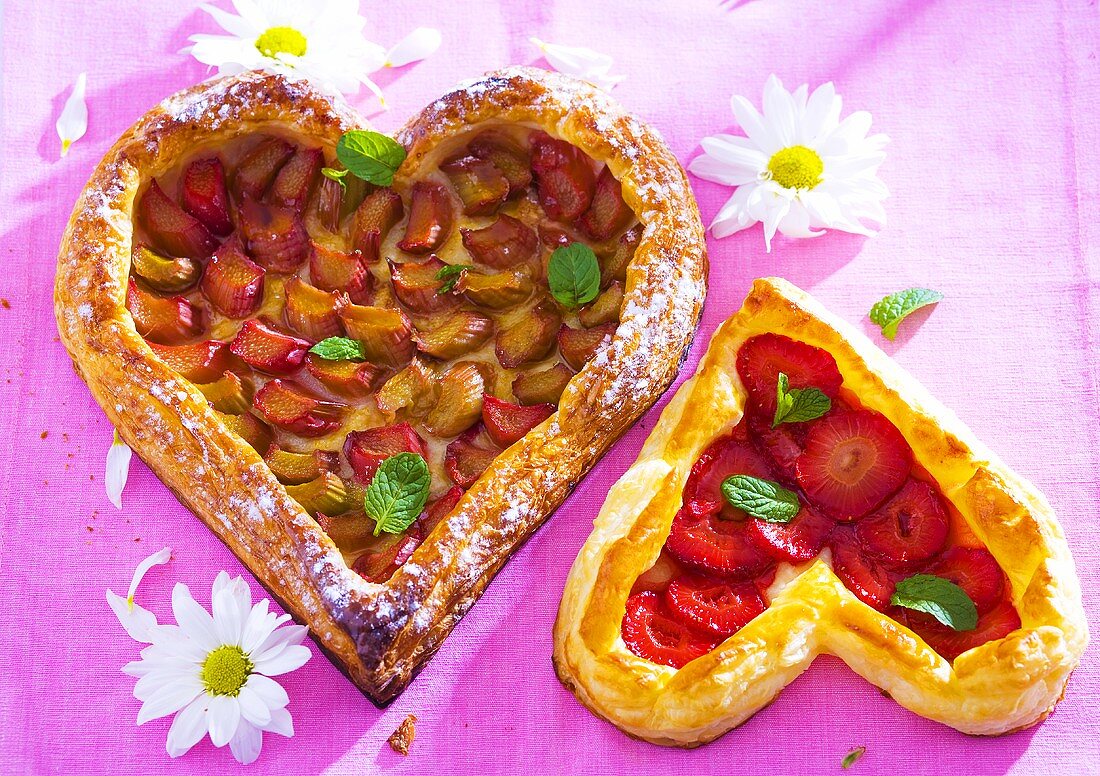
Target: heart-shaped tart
[[208, 256], [802, 494]]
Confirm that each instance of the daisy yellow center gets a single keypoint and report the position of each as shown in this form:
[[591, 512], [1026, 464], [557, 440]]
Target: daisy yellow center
[[281, 40], [796, 167], [225, 670]]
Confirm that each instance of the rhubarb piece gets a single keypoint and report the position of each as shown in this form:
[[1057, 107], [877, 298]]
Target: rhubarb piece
[[200, 362], [543, 387], [365, 450], [480, 185], [531, 338], [229, 393], [173, 230], [164, 320], [295, 180], [353, 532], [275, 236], [386, 335], [722, 459], [553, 236], [908, 529], [412, 389], [416, 285], [350, 379], [297, 468], [503, 244], [507, 423], [325, 495], [651, 633], [258, 168], [375, 216], [658, 576], [614, 262], [330, 197], [431, 215], [333, 270], [852, 462], [454, 335], [579, 346], [379, 566], [169, 276], [563, 177], [290, 407], [863, 575], [468, 456], [311, 312], [799, 540], [499, 291], [439, 509], [976, 571], [249, 428], [719, 546], [267, 350], [233, 283], [461, 392], [994, 624], [763, 357], [205, 196], [608, 214], [714, 605], [604, 308], [507, 155]]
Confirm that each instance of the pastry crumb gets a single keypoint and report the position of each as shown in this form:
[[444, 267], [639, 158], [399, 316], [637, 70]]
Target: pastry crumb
[[5, 304], [44, 434], [403, 737]]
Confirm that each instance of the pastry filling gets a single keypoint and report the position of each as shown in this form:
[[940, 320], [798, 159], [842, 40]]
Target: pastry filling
[[819, 472], [245, 257]]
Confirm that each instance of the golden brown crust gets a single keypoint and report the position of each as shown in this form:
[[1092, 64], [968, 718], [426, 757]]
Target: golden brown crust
[[379, 635], [999, 687]]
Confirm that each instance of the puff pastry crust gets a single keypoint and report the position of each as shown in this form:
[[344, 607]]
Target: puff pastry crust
[[379, 635], [1001, 686]]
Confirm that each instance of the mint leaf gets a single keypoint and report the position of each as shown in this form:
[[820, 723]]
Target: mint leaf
[[764, 499], [336, 175], [372, 156], [852, 757], [574, 275], [891, 310], [397, 494], [450, 275], [339, 349], [796, 405], [941, 598]]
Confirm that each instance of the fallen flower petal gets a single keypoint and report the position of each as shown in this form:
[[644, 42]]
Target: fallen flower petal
[[419, 44], [73, 121], [118, 469]]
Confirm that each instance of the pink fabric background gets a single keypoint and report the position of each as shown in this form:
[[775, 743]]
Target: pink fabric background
[[994, 169]]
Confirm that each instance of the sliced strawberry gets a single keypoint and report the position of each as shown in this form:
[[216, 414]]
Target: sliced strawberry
[[311, 312], [295, 180], [379, 565], [996, 623], [461, 393], [908, 529], [290, 407], [204, 194], [452, 335], [258, 168], [365, 450], [439, 509], [507, 423], [268, 350], [782, 445], [864, 576], [431, 216], [200, 362], [763, 357], [975, 570], [468, 456], [530, 338], [480, 185], [385, 334], [503, 244], [579, 346], [160, 319], [852, 462], [563, 177], [799, 540], [172, 229], [169, 276], [274, 236], [333, 270], [658, 576], [651, 633], [376, 215], [416, 286], [723, 459], [511, 158], [233, 283], [720, 546], [330, 200], [543, 387], [717, 606], [351, 379], [608, 214]]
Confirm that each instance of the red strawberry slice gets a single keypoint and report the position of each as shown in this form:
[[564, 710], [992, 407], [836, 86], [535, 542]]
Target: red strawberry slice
[[908, 529], [658, 576], [204, 194], [174, 231], [799, 540], [975, 570], [468, 456], [852, 462], [608, 213], [714, 605], [563, 177], [996, 623], [869, 581], [651, 633], [507, 423], [762, 358], [365, 450], [724, 458], [782, 445], [713, 544]]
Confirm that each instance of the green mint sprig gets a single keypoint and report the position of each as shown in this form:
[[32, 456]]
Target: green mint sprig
[[372, 156], [891, 310], [939, 597], [763, 499], [450, 276], [794, 405], [339, 349], [398, 492], [574, 275]]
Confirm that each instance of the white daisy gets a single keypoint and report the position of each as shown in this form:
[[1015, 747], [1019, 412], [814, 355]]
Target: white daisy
[[213, 671], [800, 170], [581, 62]]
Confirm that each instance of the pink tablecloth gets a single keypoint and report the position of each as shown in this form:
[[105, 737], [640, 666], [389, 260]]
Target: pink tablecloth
[[994, 169]]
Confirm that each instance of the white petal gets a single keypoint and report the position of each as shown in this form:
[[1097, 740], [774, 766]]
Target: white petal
[[246, 743], [257, 627], [168, 699], [158, 558], [733, 216], [278, 641], [253, 708], [73, 121], [118, 467], [150, 684], [280, 723], [822, 113], [188, 728], [797, 222], [135, 619], [419, 44], [753, 125], [779, 111], [222, 719], [580, 62], [230, 606], [234, 25], [776, 212], [193, 619], [268, 690], [290, 659]]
